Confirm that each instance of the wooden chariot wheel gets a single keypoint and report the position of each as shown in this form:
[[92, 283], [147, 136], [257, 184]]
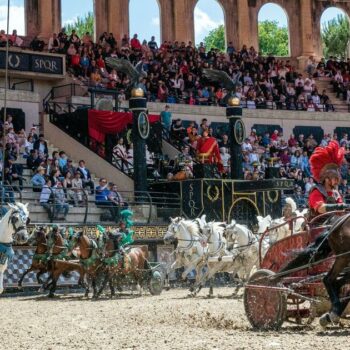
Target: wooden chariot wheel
[[265, 308]]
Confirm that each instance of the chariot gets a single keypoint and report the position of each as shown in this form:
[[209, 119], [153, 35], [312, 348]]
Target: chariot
[[297, 295]]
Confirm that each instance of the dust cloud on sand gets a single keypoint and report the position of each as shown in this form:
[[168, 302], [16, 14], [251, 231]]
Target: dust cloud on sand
[[169, 321]]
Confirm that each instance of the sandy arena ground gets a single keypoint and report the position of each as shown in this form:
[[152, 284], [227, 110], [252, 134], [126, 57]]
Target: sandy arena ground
[[169, 321]]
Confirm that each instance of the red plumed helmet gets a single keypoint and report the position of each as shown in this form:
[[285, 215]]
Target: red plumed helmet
[[326, 161]]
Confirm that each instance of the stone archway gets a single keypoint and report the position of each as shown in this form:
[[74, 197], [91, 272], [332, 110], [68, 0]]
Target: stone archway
[[272, 12], [329, 15], [208, 15], [139, 19]]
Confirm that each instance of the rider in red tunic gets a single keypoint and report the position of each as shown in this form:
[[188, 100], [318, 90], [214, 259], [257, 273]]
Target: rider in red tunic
[[324, 197], [325, 163], [208, 151]]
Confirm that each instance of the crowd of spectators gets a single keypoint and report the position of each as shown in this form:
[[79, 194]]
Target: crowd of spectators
[[60, 183], [174, 71]]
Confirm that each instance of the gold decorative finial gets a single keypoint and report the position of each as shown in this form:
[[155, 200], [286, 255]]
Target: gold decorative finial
[[137, 92], [234, 101]]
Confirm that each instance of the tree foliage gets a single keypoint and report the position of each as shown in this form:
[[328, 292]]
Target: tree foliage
[[215, 39], [335, 37], [273, 39], [82, 25]]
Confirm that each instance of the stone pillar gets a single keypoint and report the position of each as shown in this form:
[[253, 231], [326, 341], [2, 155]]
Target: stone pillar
[[184, 20], [31, 12], [231, 20], [101, 18], [306, 30], [244, 30], [49, 17], [166, 17], [42, 17], [118, 18]]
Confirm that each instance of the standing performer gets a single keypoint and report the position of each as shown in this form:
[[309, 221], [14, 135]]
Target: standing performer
[[324, 197], [208, 151], [325, 163]]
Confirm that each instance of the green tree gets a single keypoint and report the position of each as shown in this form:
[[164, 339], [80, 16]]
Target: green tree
[[215, 39], [82, 25], [273, 39], [335, 37]]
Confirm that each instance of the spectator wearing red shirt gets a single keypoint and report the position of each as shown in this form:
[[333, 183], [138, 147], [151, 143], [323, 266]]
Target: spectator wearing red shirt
[[135, 43]]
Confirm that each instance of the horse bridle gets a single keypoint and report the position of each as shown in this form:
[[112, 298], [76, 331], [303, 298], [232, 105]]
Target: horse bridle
[[13, 219], [185, 249]]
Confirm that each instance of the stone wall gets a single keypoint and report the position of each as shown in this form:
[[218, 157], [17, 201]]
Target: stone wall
[[177, 20], [287, 120]]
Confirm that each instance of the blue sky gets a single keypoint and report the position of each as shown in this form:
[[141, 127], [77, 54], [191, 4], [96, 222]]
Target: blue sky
[[144, 16]]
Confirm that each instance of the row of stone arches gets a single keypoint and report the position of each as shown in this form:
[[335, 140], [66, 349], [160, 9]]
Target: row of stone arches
[[145, 16]]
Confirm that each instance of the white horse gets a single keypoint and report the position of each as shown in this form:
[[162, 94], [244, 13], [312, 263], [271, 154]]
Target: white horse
[[190, 248], [285, 228], [233, 249], [13, 229]]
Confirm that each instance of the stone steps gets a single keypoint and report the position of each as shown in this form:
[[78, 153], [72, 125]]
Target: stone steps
[[77, 214]]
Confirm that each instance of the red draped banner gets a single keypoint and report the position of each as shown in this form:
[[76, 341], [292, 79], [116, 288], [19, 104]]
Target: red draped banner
[[106, 122]]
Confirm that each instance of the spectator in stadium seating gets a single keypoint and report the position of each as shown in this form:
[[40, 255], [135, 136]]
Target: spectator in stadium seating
[[54, 43], [116, 199], [41, 145], [77, 186], [60, 201], [13, 172], [152, 44], [68, 189], [135, 43], [62, 161], [33, 161], [38, 180], [165, 117], [85, 176], [46, 198], [68, 168], [37, 45], [120, 155], [55, 176], [102, 200]]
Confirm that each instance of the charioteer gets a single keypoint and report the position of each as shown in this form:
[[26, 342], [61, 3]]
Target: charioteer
[[324, 197]]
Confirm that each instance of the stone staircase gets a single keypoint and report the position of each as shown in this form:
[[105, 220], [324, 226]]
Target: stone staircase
[[325, 84], [76, 215]]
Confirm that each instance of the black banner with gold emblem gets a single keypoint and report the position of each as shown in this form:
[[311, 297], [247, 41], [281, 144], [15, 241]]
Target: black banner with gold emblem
[[30, 62]]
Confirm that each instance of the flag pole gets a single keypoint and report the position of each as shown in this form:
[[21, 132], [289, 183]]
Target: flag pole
[[5, 104]]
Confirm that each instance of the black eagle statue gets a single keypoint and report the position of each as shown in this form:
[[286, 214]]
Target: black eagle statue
[[222, 78], [134, 73]]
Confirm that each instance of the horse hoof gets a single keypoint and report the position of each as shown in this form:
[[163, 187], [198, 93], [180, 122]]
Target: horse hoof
[[325, 320], [335, 319]]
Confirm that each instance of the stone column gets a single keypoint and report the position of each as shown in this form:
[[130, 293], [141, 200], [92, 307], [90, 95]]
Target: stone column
[[184, 20], [31, 11], [231, 21], [118, 18], [101, 18], [244, 30], [306, 30], [42, 17], [166, 17]]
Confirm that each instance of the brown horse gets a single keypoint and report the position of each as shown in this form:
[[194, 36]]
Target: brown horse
[[58, 261], [338, 237], [90, 260], [39, 260], [131, 264]]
